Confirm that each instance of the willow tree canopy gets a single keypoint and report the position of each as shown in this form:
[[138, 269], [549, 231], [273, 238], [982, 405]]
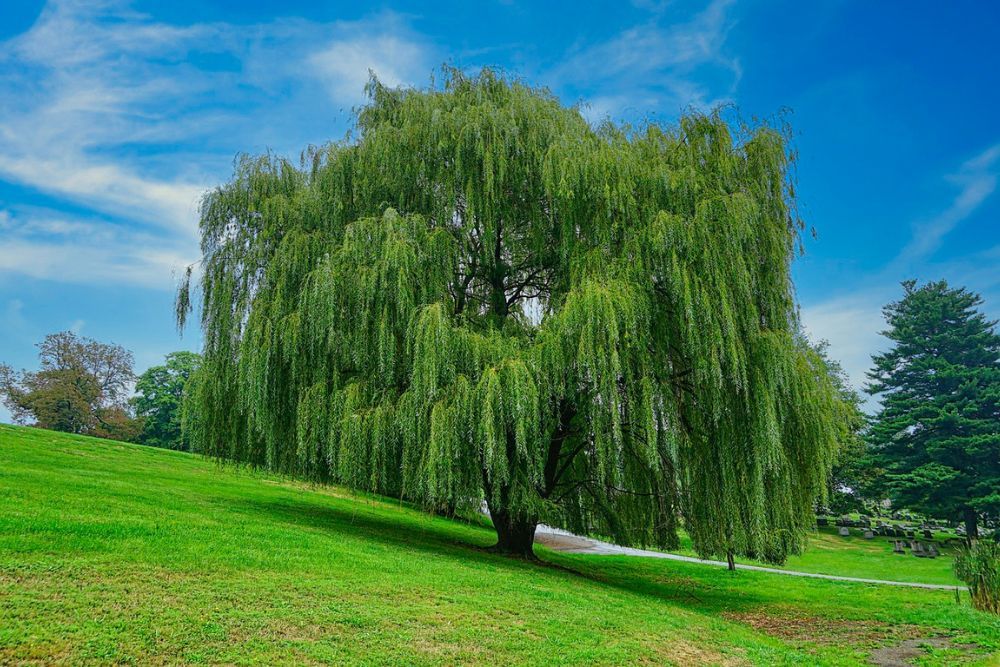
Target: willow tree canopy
[[480, 296]]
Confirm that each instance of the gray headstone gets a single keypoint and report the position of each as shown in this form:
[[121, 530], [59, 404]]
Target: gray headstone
[[844, 531]]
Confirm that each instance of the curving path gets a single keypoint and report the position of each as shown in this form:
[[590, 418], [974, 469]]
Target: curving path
[[560, 540]]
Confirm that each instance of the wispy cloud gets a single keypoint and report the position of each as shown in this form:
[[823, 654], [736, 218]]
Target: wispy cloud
[[386, 48], [658, 65], [127, 121], [78, 84], [976, 181], [50, 245], [88, 263]]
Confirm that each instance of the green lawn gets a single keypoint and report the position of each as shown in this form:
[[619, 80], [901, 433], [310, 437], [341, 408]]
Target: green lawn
[[854, 556], [115, 553]]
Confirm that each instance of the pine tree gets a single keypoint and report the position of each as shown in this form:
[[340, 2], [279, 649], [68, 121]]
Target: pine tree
[[479, 296], [937, 434]]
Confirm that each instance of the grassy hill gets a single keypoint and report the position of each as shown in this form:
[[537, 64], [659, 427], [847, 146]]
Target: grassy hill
[[115, 553]]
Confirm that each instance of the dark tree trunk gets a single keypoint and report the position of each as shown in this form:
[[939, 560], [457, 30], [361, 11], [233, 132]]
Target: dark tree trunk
[[731, 560], [971, 525], [515, 533]]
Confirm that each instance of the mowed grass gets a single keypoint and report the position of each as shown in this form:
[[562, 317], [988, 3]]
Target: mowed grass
[[854, 556], [116, 553]]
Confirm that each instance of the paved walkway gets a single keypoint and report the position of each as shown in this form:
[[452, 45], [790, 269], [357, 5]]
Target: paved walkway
[[560, 540]]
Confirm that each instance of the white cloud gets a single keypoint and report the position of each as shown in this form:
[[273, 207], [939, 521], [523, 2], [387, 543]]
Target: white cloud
[[597, 109], [42, 222], [344, 64], [89, 264], [56, 40], [977, 180], [109, 188], [130, 120], [47, 244], [650, 48], [654, 66], [80, 82], [851, 324]]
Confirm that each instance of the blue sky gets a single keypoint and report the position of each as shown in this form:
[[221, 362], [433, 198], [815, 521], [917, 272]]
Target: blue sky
[[115, 116]]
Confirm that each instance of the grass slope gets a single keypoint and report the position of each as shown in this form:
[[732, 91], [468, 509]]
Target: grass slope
[[119, 553]]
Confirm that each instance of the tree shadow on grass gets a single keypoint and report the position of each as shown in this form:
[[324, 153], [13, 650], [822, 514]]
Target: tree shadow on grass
[[408, 529], [458, 540], [733, 602], [711, 591]]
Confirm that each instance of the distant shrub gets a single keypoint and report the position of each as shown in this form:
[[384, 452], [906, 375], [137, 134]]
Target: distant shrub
[[979, 567]]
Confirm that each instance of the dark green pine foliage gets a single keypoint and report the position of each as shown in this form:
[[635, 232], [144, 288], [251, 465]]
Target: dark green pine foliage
[[482, 297], [937, 434]]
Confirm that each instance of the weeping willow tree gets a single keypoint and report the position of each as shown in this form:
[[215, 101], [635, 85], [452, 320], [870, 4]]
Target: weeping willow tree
[[478, 296]]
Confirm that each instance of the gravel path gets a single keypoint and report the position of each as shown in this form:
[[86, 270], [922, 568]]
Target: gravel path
[[561, 540]]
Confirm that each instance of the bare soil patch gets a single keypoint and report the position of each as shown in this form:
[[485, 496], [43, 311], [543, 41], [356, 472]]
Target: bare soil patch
[[908, 651], [893, 645]]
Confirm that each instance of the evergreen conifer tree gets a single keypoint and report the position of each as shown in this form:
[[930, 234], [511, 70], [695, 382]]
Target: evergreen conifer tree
[[937, 434]]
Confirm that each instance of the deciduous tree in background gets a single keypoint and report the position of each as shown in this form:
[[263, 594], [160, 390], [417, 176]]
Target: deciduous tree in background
[[850, 477], [937, 434], [159, 398], [483, 297], [81, 386]]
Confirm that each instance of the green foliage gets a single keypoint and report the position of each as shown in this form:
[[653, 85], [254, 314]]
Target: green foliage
[[81, 387], [481, 296], [159, 399], [851, 474], [978, 565], [937, 434]]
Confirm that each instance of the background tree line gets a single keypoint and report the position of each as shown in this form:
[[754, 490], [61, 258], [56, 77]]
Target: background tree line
[[86, 387]]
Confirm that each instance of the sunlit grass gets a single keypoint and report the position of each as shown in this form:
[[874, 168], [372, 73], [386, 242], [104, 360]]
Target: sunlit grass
[[118, 553]]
